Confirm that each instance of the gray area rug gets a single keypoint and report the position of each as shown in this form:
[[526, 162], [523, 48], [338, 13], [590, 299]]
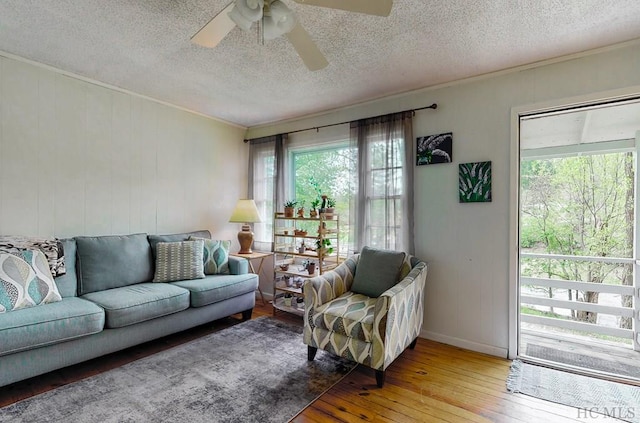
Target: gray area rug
[[591, 396], [255, 371], [581, 360]]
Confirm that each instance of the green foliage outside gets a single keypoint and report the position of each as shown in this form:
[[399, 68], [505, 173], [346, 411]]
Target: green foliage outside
[[326, 172], [579, 206]]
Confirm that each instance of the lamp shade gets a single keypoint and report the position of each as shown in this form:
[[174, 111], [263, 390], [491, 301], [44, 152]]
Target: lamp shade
[[245, 212]]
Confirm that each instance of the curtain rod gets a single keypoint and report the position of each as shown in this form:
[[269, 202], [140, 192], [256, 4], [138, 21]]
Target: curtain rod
[[433, 106]]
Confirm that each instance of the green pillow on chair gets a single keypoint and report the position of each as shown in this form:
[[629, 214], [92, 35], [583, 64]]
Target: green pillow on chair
[[377, 271]]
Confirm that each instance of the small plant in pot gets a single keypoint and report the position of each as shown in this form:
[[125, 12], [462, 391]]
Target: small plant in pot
[[287, 299], [323, 248], [311, 267], [314, 208], [284, 264], [301, 209], [289, 207], [330, 208]]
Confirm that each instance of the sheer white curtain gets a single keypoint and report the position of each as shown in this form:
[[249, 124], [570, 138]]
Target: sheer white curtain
[[266, 184], [382, 208]]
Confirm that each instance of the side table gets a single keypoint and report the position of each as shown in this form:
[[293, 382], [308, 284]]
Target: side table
[[256, 255]]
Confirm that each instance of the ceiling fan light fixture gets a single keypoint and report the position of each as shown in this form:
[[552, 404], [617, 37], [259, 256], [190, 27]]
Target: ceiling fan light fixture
[[278, 21], [246, 12], [238, 18], [250, 9]]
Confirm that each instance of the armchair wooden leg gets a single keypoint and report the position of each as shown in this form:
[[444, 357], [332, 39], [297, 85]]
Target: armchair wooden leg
[[380, 378], [413, 344], [311, 352]]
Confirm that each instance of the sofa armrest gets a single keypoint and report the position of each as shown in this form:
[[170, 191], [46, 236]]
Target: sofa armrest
[[238, 265], [398, 317]]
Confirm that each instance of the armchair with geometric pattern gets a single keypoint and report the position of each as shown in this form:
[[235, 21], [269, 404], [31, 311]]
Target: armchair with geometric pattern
[[366, 313]]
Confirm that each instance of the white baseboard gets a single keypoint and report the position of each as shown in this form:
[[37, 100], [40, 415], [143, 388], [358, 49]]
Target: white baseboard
[[463, 343]]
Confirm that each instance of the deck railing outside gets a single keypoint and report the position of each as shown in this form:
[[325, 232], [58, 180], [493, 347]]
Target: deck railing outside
[[527, 299]]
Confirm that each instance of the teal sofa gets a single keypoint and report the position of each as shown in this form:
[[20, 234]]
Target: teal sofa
[[110, 303]]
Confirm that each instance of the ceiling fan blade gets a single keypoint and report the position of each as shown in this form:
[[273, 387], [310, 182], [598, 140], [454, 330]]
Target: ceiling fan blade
[[213, 32], [306, 48], [370, 7]]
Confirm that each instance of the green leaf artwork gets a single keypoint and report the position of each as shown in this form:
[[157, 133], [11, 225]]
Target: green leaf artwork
[[474, 182]]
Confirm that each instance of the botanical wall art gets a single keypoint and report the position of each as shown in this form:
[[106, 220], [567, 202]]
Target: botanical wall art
[[474, 182], [434, 149]]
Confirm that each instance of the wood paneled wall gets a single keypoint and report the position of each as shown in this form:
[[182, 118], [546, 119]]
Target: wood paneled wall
[[78, 158]]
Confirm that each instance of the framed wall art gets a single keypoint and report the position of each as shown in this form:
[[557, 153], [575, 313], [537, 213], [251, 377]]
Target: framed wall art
[[434, 149], [474, 182]]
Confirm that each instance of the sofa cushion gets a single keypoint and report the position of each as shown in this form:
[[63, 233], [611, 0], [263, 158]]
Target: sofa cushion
[[106, 262], [176, 261], [215, 288], [68, 283], [132, 304], [377, 271], [215, 256], [49, 324], [155, 239], [350, 314], [25, 280]]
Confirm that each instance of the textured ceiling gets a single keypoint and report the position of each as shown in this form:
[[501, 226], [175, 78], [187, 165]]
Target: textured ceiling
[[144, 46]]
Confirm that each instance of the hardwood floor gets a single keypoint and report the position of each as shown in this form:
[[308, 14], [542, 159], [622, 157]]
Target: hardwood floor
[[432, 383]]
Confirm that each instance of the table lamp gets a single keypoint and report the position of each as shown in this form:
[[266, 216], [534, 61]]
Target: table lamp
[[245, 212]]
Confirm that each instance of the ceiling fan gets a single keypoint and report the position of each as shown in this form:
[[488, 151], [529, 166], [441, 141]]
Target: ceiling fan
[[276, 19]]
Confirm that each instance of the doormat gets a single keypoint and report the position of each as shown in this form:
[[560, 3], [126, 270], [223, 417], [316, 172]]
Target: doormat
[[255, 371], [584, 361], [589, 395]]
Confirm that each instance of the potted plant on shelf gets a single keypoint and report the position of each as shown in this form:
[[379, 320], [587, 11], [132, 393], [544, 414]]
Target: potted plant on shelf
[[301, 209], [330, 208], [287, 299], [323, 247], [311, 267], [289, 207], [314, 206]]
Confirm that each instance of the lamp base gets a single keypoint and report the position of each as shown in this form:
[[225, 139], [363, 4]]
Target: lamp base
[[245, 238]]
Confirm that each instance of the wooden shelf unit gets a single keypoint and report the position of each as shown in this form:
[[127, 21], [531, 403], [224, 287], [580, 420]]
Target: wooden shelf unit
[[288, 235]]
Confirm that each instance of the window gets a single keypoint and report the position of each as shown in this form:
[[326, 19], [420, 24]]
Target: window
[[263, 185], [369, 175], [383, 202], [325, 170]]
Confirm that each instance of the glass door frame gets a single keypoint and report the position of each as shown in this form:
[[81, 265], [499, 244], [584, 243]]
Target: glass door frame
[[514, 204]]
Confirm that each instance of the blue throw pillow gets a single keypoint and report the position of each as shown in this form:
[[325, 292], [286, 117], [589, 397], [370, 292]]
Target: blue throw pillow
[[377, 271], [26, 280], [215, 256]]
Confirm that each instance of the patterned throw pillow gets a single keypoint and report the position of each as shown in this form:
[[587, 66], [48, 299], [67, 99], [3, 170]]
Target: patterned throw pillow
[[52, 249], [25, 280], [216, 256], [178, 261]]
